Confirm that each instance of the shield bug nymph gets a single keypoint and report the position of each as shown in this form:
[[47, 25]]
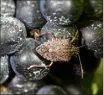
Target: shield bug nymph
[[58, 49], [58, 44]]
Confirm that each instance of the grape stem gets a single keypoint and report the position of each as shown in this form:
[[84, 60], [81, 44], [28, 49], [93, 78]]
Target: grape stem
[[35, 33]]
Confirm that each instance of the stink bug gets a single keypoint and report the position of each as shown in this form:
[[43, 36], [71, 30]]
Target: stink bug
[[58, 45], [58, 49]]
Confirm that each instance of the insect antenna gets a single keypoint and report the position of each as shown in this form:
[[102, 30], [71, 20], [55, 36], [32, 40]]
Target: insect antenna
[[81, 67]]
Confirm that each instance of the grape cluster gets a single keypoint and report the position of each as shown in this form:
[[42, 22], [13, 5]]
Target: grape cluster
[[36, 34]]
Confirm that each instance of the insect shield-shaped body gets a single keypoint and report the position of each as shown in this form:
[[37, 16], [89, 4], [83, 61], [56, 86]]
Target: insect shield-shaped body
[[27, 65], [59, 42]]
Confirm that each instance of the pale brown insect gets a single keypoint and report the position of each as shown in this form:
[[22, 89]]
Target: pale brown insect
[[59, 49]]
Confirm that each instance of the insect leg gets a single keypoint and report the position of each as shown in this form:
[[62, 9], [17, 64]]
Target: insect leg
[[81, 66], [74, 38], [40, 66]]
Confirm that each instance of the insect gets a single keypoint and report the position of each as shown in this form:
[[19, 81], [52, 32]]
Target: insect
[[59, 49]]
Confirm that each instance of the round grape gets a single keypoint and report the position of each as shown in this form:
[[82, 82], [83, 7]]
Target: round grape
[[27, 65], [61, 12], [28, 12], [59, 31], [92, 36], [20, 86], [51, 90], [13, 34]]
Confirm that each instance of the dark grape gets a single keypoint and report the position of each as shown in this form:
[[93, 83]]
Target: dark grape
[[93, 8], [4, 68], [31, 43], [28, 12], [75, 90], [50, 47], [59, 31], [7, 8], [61, 12], [27, 65], [23, 87], [51, 90], [92, 36], [13, 34]]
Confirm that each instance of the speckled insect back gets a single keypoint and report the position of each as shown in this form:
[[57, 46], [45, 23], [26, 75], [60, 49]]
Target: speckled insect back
[[57, 50], [58, 43]]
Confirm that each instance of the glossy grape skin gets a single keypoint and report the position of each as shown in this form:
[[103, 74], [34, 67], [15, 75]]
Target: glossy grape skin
[[4, 68], [22, 62], [52, 90], [28, 12], [7, 8], [59, 31], [49, 31], [13, 34], [74, 89], [92, 36], [19, 86], [31, 43], [61, 12]]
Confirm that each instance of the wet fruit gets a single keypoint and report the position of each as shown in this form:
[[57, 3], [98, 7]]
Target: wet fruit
[[61, 12], [20, 86], [93, 37], [51, 89], [27, 65], [29, 13], [13, 34]]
